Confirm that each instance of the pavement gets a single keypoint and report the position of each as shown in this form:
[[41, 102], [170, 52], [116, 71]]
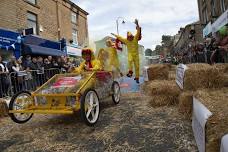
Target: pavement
[[132, 125]]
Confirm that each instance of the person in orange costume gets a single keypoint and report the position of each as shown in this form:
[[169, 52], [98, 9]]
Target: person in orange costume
[[132, 45], [90, 63]]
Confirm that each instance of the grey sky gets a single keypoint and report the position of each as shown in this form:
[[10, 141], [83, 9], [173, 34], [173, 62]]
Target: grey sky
[[157, 17]]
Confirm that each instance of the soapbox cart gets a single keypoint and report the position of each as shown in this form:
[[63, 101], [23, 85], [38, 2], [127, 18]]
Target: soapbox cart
[[65, 94]]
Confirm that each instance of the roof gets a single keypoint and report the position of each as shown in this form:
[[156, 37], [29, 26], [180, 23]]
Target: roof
[[76, 6]]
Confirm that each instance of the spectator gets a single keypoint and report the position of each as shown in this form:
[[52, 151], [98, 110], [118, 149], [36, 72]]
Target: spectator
[[200, 53], [47, 64], [50, 59], [19, 75], [27, 62], [33, 65], [40, 64], [3, 78], [11, 63]]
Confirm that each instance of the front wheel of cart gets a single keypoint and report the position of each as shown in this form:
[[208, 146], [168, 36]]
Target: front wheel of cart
[[116, 92], [90, 107], [21, 101]]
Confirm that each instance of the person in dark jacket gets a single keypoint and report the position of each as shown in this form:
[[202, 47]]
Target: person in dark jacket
[[4, 80]]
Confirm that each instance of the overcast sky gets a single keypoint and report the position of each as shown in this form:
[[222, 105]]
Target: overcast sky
[[157, 17]]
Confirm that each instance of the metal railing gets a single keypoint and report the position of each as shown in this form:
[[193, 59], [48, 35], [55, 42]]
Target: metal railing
[[14, 82]]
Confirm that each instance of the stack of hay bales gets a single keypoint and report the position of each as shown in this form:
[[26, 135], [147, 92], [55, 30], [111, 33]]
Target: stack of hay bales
[[216, 127], [185, 103], [162, 92], [198, 76], [223, 67], [158, 72], [3, 108]]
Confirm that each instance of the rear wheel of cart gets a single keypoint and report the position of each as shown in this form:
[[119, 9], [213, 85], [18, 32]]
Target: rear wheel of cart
[[90, 107], [21, 101], [116, 92]]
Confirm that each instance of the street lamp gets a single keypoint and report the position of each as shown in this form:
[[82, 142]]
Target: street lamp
[[117, 23]]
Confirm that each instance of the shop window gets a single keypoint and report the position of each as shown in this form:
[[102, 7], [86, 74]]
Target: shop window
[[32, 22], [73, 17], [213, 10], [75, 36], [222, 4], [32, 1]]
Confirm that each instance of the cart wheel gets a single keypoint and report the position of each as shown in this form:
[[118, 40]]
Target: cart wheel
[[116, 92], [20, 101], [90, 108]]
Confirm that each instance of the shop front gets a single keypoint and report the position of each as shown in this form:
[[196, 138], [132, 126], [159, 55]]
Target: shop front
[[75, 54], [220, 22], [207, 30], [9, 43], [35, 45]]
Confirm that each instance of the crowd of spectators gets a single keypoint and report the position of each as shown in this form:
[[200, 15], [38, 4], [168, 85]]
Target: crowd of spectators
[[213, 50], [16, 72]]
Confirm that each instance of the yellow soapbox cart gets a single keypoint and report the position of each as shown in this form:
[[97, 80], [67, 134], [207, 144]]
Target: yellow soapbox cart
[[66, 94]]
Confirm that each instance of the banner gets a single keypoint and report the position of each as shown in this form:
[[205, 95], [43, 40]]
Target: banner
[[181, 68], [145, 73], [224, 144], [200, 117], [66, 82]]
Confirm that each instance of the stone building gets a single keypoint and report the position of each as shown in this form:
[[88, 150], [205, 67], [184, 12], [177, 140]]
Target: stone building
[[50, 19], [209, 12]]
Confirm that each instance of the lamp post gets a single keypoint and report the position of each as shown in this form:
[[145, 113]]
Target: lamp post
[[117, 23]]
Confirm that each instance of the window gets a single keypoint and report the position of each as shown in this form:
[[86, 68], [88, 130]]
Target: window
[[205, 15], [32, 21], [75, 36], [213, 10], [74, 17], [32, 1], [222, 5]]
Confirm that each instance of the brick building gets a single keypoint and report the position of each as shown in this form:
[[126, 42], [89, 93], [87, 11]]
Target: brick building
[[212, 15], [188, 39], [50, 19], [210, 10]]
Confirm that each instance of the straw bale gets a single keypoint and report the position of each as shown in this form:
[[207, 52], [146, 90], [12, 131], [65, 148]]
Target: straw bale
[[3, 108], [217, 102], [172, 75], [162, 92], [185, 103], [200, 76], [225, 80], [158, 72], [163, 87], [222, 67], [163, 100]]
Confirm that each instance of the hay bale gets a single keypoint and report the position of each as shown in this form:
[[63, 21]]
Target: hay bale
[[225, 80], [186, 104], [172, 75], [173, 67], [158, 72], [160, 87], [3, 108], [217, 102], [162, 92], [163, 100], [200, 76], [222, 67]]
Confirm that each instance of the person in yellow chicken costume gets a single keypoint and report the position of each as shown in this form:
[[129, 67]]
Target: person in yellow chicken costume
[[113, 60], [90, 63], [132, 45]]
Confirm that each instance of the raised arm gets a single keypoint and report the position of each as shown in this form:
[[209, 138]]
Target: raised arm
[[120, 38], [138, 28]]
